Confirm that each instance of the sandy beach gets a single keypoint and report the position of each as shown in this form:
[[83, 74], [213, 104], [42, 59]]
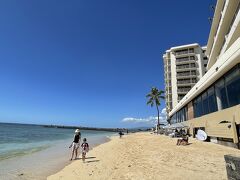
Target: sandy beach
[[147, 156]]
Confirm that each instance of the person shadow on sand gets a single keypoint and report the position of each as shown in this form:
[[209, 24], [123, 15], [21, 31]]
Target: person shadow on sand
[[91, 159]]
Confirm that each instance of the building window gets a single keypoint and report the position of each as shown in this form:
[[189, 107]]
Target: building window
[[221, 94], [232, 82], [194, 80], [180, 116], [198, 107], [194, 73], [192, 58], [212, 104], [174, 119], [205, 103], [191, 50]]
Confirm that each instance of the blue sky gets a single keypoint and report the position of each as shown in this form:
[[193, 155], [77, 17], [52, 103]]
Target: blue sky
[[92, 62]]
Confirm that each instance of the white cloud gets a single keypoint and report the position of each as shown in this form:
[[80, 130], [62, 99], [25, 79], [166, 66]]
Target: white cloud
[[140, 120], [149, 120]]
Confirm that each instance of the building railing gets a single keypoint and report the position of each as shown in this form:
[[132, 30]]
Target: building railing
[[186, 74], [182, 52], [186, 66], [185, 59], [184, 90], [186, 82]]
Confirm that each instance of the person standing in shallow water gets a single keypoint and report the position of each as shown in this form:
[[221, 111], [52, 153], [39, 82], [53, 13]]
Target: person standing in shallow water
[[75, 144]]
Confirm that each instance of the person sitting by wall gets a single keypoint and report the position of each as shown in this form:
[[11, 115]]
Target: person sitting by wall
[[183, 140]]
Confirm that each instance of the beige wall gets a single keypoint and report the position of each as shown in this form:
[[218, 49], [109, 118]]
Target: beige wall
[[218, 124]]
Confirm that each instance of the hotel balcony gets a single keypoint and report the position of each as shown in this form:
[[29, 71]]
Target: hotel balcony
[[188, 59], [185, 83], [183, 90], [184, 53], [186, 75], [184, 68]]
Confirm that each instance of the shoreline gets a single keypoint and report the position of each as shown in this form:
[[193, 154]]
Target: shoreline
[[41, 164], [147, 156], [68, 162]]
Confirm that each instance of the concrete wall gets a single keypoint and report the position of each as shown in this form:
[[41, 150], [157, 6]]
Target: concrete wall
[[218, 124]]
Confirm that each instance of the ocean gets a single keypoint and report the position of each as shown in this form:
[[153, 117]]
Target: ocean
[[34, 151]]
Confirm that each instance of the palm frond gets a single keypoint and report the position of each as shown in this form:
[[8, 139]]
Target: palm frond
[[162, 97], [149, 95], [154, 96], [150, 102]]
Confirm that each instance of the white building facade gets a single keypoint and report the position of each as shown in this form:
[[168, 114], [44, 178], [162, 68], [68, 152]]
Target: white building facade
[[183, 67], [213, 104]]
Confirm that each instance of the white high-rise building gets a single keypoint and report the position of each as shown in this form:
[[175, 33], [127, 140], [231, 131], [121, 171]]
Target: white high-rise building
[[213, 104], [183, 67]]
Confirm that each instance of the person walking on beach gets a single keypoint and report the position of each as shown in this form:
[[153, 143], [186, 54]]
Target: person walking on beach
[[85, 149], [120, 134], [76, 143]]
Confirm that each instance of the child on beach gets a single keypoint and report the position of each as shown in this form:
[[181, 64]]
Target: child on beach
[[75, 144], [85, 148]]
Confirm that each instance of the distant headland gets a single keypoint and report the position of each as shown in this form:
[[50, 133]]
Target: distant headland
[[99, 129], [85, 128]]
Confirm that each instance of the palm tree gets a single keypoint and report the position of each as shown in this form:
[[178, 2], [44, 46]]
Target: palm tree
[[154, 98]]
